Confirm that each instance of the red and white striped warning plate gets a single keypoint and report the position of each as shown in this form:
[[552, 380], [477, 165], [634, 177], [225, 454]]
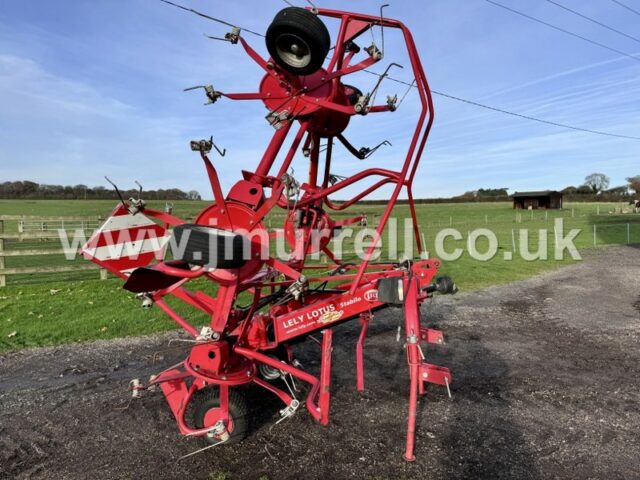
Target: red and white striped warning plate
[[125, 242]]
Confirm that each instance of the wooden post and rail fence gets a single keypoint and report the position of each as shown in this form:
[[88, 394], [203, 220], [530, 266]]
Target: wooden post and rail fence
[[43, 229], [29, 230]]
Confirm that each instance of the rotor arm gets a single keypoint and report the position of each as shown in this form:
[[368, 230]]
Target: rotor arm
[[254, 55], [351, 51], [247, 96], [348, 70]]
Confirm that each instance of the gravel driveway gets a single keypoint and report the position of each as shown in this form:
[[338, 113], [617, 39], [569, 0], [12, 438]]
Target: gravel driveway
[[546, 385]]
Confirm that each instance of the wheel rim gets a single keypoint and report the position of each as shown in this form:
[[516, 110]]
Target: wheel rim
[[214, 415], [293, 50], [268, 372]]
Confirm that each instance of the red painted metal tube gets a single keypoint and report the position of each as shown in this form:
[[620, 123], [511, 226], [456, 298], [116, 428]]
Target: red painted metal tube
[[315, 156], [254, 55], [292, 151], [424, 96], [327, 162], [214, 181], [364, 321], [324, 397], [338, 54], [248, 96], [321, 194], [414, 219], [281, 394], [190, 329], [179, 272], [163, 217], [313, 408], [360, 196], [376, 20], [272, 150], [191, 299], [412, 329]]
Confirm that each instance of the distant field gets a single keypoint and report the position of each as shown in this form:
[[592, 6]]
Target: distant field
[[84, 207], [83, 308]]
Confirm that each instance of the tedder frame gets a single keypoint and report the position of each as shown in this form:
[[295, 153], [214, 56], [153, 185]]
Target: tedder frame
[[290, 298]]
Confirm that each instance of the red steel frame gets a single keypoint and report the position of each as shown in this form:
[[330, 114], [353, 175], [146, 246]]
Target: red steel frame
[[238, 340]]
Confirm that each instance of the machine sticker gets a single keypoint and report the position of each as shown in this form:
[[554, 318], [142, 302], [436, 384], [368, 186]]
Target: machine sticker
[[325, 314], [371, 295], [331, 316], [351, 301]]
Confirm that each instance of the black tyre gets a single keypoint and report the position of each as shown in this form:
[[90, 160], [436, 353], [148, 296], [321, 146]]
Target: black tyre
[[390, 291], [207, 401], [269, 373], [298, 41], [209, 246]]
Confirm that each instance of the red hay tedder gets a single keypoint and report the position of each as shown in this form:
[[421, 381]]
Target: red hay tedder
[[228, 243]]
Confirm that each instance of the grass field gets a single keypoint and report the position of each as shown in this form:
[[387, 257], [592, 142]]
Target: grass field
[[52, 309]]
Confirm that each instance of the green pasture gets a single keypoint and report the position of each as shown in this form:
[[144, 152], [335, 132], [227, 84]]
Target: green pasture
[[48, 309]]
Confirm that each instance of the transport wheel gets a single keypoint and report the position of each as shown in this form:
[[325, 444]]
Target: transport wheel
[[298, 41], [206, 413], [267, 372], [209, 246]]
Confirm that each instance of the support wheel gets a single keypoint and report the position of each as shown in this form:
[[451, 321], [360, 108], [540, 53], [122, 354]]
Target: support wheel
[[206, 413], [298, 41]]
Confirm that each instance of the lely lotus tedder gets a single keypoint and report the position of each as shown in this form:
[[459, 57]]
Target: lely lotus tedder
[[305, 92]]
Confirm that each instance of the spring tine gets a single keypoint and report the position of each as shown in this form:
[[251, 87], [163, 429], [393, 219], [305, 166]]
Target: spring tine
[[216, 38], [382, 7], [199, 451]]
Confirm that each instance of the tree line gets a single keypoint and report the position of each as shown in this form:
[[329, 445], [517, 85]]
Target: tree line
[[595, 187], [598, 184], [31, 190]]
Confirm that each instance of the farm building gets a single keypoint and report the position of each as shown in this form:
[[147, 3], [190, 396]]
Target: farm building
[[533, 200]]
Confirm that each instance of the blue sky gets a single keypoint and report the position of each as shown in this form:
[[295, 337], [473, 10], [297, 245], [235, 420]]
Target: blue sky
[[94, 87]]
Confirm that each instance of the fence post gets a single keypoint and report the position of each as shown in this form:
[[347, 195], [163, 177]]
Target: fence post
[[595, 241], [103, 274], [3, 278]]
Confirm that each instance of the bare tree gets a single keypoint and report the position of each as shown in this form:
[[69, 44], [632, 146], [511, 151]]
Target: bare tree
[[193, 195], [634, 184], [597, 182]]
